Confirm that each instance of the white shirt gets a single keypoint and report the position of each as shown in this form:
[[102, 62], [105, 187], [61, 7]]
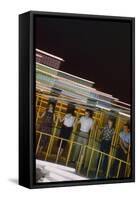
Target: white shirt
[[86, 124], [69, 120]]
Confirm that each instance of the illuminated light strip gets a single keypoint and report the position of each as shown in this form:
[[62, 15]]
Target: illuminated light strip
[[67, 95], [98, 106], [123, 103], [48, 54], [92, 89], [124, 114], [78, 84], [102, 100], [86, 95], [87, 105], [96, 99], [38, 82], [39, 56], [43, 88], [66, 80], [70, 94], [106, 95], [64, 99], [66, 73], [73, 82]]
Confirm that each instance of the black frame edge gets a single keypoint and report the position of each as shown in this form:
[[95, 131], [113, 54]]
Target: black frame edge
[[24, 96]]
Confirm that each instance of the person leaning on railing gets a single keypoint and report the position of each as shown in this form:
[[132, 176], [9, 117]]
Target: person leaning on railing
[[66, 130], [106, 133], [48, 117], [86, 124], [122, 151]]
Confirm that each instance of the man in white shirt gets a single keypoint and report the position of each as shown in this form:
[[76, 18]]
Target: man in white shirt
[[86, 124]]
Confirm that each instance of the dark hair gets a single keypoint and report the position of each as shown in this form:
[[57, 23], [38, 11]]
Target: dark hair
[[90, 112], [70, 111], [112, 120], [127, 124]]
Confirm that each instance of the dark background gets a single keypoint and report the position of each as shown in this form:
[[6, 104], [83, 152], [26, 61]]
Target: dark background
[[97, 50]]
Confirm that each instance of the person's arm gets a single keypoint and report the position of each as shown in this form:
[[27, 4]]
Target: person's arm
[[61, 119], [102, 129], [76, 122], [122, 146], [43, 114], [92, 125], [54, 118]]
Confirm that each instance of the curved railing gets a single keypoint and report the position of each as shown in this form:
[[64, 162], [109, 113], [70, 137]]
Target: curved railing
[[82, 155]]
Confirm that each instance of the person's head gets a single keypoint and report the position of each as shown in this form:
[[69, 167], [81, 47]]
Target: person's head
[[110, 122], [70, 111], [126, 128], [88, 113], [51, 107]]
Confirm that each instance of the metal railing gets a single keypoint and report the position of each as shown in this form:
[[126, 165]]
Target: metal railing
[[81, 157]]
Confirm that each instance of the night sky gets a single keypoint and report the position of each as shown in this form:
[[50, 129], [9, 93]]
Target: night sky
[[99, 51]]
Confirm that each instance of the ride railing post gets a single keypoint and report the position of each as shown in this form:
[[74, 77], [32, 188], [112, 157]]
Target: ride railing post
[[39, 108], [55, 128], [82, 155], [128, 161], [40, 135], [118, 170], [89, 165], [93, 136], [99, 119], [37, 99], [59, 149], [79, 162], [73, 135], [114, 139], [96, 119], [99, 163], [69, 151], [108, 166], [129, 170], [48, 148]]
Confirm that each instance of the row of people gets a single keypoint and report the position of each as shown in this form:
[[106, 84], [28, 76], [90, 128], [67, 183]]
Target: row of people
[[122, 149], [69, 121], [86, 125]]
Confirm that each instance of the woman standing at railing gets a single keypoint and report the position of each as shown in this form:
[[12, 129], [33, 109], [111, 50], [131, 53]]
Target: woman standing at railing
[[66, 130], [106, 134], [48, 117]]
